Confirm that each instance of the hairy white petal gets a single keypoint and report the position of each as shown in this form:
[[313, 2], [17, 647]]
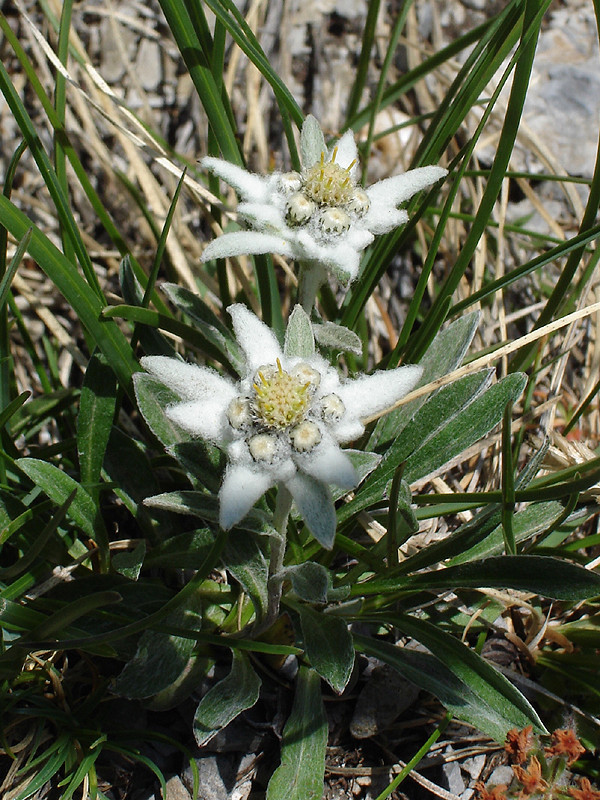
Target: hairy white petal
[[189, 381], [241, 243], [348, 429], [397, 189], [248, 185], [206, 418], [372, 393], [258, 341], [382, 218], [329, 464], [316, 508], [242, 487], [262, 215]]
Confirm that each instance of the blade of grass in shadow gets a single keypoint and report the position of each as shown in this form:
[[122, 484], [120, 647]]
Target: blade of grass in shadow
[[84, 301], [158, 257]]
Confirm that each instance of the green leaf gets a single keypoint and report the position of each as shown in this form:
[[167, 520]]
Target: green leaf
[[245, 559], [466, 428], [128, 563], [221, 704], [184, 551], [431, 419], [299, 339], [533, 519], [160, 658], [206, 507], [309, 580], [445, 354], [96, 411], [543, 575], [153, 397], [312, 142], [488, 711], [336, 337], [57, 485], [300, 774], [207, 323], [328, 645], [203, 462]]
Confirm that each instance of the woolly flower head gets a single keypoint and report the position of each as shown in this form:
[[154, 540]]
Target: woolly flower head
[[320, 214], [283, 422]]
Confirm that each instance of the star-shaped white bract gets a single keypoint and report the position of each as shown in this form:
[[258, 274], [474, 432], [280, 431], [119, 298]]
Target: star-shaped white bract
[[320, 214], [282, 423]]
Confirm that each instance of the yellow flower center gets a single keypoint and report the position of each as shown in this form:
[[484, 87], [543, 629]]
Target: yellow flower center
[[329, 184], [281, 400]]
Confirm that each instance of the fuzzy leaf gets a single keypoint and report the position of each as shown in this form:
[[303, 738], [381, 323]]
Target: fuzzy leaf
[[129, 564], [96, 411], [153, 397], [160, 657], [328, 645], [299, 339], [184, 551], [228, 698], [465, 428], [245, 559], [300, 774], [312, 142], [445, 354], [543, 575], [461, 686], [533, 519], [206, 506], [309, 580], [328, 334]]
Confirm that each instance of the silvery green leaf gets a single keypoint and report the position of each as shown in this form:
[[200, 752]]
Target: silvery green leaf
[[303, 746], [445, 354], [299, 340], [228, 698], [310, 581], [329, 647], [312, 141], [153, 397], [245, 559], [328, 334], [207, 322], [533, 519], [128, 563], [160, 658]]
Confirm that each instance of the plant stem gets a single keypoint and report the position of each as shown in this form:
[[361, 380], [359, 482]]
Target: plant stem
[[310, 279], [278, 543]]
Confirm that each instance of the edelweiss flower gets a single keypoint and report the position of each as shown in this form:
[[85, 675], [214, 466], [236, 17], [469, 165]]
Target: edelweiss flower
[[320, 214], [283, 422]]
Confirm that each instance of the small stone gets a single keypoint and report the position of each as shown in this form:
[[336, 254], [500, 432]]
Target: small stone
[[384, 697], [176, 790], [149, 64]]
